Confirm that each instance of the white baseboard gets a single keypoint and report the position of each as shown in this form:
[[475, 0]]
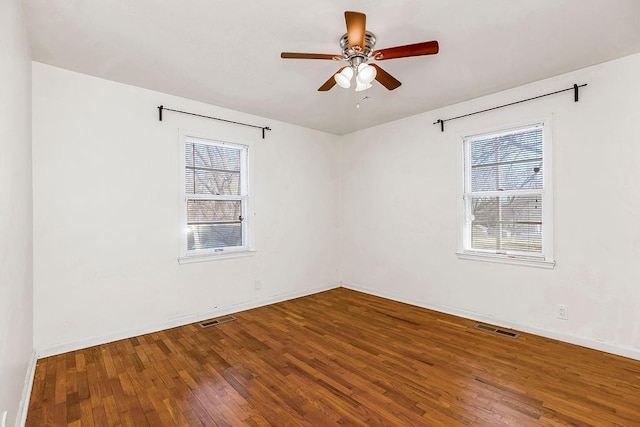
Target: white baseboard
[[21, 417], [632, 353], [180, 321]]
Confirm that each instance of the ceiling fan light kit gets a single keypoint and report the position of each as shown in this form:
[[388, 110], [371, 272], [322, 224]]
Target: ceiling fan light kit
[[357, 50], [365, 74]]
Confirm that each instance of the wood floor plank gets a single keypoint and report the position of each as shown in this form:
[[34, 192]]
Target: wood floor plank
[[335, 358]]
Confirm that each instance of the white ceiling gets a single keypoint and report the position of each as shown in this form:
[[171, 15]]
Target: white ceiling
[[227, 53]]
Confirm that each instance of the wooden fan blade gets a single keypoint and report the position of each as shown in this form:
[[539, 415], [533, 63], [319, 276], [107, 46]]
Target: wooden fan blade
[[296, 55], [386, 79], [329, 83], [356, 27], [417, 49]]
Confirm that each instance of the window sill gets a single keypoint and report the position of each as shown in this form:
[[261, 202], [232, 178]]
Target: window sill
[[216, 256], [506, 259]]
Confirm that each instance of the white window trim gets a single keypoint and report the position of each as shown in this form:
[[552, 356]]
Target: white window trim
[[546, 260], [248, 249]]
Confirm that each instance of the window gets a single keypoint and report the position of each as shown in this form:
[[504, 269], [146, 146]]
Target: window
[[506, 198], [214, 211]]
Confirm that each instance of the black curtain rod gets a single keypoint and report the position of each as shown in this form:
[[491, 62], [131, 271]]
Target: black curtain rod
[[161, 108], [575, 99]]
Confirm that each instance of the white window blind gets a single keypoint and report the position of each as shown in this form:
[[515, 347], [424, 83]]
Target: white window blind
[[215, 196], [505, 194]]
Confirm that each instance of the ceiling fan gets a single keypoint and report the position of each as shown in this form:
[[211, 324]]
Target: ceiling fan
[[357, 50]]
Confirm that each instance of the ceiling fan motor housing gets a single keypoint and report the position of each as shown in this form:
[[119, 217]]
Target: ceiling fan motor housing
[[358, 54]]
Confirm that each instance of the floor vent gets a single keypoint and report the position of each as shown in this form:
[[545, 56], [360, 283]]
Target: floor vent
[[496, 330], [507, 333], [218, 321], [485, 328]]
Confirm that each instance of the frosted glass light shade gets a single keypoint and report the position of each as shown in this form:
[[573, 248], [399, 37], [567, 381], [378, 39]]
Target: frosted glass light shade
[[360, 85], [366, 73], [343, 78]]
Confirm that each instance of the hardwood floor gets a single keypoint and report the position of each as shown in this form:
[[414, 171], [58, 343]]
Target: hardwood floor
[[338, 357]]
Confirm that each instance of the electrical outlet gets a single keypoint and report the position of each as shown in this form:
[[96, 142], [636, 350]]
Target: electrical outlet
[[562, 312], [3, 419]]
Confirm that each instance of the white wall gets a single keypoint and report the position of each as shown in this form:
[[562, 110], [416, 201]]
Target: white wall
[[16, 276], [400, 200], [106, 213]]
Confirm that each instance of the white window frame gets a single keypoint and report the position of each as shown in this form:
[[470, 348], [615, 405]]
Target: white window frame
[[246, 249], [546, 258]]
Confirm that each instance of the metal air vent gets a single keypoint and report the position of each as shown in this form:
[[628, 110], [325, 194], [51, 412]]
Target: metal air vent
[[496, 330], [216, 321]]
